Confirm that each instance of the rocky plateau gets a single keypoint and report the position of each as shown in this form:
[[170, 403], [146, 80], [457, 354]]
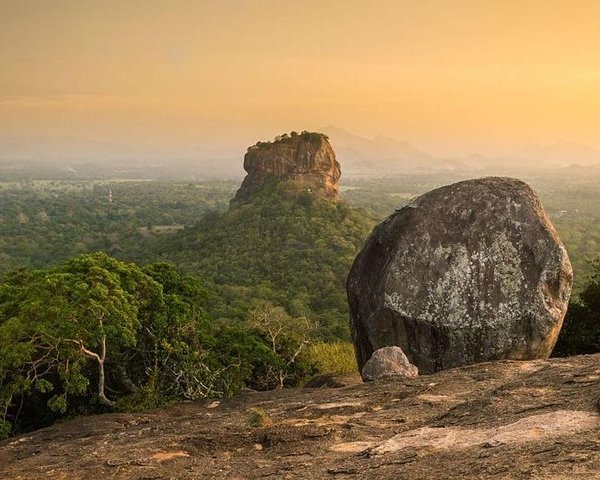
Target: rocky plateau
[[305, 158], [499, 420]]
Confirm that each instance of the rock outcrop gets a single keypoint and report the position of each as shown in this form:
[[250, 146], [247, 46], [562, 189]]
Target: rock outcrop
[[496, 421], [388, 362], [467, 273], [305, 158]]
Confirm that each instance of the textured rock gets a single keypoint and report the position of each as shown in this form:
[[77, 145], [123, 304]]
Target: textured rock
[[305, 158], [467, 273], [388, 362], [496, 421]]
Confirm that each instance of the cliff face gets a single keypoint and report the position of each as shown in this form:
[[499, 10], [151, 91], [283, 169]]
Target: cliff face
[[305, 158]]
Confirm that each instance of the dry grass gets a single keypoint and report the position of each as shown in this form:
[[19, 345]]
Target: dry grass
[[335, 358]]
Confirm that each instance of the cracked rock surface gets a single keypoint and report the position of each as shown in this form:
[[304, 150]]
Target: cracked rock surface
[[500, 420]]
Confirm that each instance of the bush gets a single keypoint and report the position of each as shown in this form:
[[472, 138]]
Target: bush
[[335, 358], [5, 429], [144, 398], [258, 418], [580, 333]]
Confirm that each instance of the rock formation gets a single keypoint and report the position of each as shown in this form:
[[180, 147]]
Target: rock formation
[[502, 420], [303, 158], [388, 362], [467, 273]]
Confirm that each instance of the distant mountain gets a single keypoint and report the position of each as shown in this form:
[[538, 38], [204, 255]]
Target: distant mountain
[[360, 156], [385, 155], [560, 153], [379, 146], [590, 173]]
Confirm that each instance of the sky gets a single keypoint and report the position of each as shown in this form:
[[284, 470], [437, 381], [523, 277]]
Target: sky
[[450, 76]]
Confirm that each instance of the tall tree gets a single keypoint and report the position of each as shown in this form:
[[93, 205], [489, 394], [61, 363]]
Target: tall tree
[[54, 322]]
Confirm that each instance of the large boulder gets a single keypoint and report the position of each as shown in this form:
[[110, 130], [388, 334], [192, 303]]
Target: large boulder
[[305, 158], [388, 362], [467, 273]]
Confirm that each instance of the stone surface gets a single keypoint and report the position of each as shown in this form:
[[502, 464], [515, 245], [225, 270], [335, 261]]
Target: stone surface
[[497, 421], [303, 158], [388, 362], [466, 273]]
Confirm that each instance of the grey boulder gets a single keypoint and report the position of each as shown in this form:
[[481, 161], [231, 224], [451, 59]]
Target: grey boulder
[[466, 273], [388, 362]]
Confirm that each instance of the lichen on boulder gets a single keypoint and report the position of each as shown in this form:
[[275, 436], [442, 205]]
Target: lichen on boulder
[[466, 273]]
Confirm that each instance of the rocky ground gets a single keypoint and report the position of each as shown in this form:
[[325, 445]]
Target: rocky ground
[[517, 420]]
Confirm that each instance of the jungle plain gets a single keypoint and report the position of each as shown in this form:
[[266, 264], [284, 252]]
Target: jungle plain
[[206, 297]]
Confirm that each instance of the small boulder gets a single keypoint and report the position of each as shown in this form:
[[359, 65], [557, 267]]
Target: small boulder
[[388, 362]]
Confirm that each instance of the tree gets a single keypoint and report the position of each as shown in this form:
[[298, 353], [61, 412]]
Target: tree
[[84, 304], [287, 336], [580, 333], [54, 322], [176, 340]]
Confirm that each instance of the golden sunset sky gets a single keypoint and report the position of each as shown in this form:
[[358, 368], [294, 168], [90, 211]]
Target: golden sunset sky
[[454, 76]]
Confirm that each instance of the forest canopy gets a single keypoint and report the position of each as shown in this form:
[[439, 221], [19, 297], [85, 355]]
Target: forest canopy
[[85, 332], [94, 333]]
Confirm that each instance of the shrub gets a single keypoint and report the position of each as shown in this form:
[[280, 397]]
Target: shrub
[[336, 358], [580, 333], [5, 429], [258, 418]]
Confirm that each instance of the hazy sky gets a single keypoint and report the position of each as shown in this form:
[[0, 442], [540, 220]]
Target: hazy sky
[[449, 76]]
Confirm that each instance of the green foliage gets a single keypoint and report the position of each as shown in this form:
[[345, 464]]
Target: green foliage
[[285, 137], [54, 323], [279, 260], [65, 329], [288, 338], [5, 429], [43, 222], [93, 321], [258, 418], [245, 354], [146, 397], [58, 403], [286, 246], [580, 333]]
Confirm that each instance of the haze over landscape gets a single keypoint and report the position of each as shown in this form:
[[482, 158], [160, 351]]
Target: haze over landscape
[[313, 239], [199, 81]]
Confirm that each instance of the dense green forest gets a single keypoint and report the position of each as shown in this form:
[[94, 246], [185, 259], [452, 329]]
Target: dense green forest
[[94, 333], [44, 222], [286, 246], [253, 295]]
